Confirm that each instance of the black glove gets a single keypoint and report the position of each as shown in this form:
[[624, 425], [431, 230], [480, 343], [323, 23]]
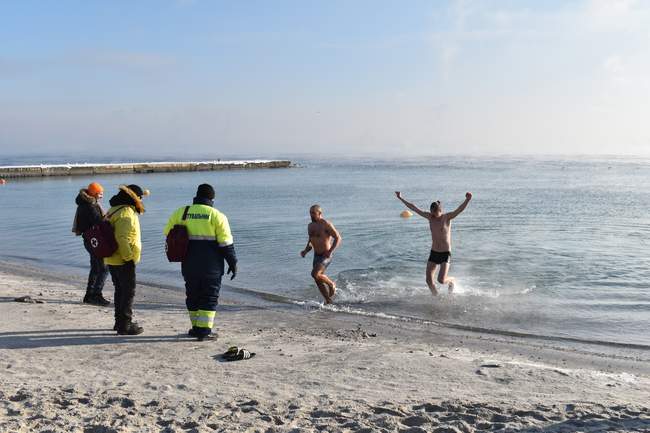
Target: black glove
[[232, 269]]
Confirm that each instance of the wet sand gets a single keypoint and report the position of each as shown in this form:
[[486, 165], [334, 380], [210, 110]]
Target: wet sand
[[65, 370]]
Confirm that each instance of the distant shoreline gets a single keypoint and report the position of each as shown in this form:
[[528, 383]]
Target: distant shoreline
[[44, 170]]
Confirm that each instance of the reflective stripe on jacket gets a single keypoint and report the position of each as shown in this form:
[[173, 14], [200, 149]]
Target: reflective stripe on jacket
[[126, 225]]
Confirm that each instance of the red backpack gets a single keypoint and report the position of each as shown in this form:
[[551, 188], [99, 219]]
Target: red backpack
[[101, 237], [177, 241]]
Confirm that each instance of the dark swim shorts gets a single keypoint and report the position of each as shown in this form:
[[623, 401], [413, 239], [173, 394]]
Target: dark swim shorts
[[320, 260], [439, 258]]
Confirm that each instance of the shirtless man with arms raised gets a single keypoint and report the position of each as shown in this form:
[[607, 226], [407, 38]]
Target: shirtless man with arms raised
[[324, 239], [440, 226]]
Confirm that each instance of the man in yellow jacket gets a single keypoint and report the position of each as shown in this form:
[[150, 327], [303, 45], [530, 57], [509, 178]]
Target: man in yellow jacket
[[210, 244], [126, 205]]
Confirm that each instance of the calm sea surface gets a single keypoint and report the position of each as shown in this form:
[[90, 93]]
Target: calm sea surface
[[556, 247]]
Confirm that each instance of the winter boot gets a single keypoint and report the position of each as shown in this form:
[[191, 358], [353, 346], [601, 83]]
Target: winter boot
[[96, 299], [131, 329]]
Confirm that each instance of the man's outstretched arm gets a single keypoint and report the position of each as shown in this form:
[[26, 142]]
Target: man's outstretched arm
[[413, 207], [463, 205]]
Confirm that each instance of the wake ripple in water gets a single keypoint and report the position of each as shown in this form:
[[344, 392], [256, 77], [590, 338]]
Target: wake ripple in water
[[343, 308]]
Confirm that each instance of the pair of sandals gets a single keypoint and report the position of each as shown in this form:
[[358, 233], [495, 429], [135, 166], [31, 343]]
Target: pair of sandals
[[235, 353]]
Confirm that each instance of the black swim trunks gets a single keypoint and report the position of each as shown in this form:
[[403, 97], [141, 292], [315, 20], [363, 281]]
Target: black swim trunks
[[320, 260], [438, 258]]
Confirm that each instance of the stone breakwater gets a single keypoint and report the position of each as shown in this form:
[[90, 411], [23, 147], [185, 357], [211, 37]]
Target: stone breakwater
[[17, 171]]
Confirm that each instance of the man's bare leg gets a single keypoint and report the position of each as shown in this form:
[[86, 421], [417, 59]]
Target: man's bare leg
[[431, 269], [317, 275], [332, 285], [325, 291], [444, 279]]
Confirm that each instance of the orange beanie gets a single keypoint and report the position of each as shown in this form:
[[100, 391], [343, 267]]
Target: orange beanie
[[95, 189]]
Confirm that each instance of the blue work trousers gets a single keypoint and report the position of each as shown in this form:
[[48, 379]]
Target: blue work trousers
[[202, 295]]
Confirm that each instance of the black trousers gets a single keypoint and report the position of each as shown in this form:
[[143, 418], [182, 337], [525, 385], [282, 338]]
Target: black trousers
[[98, 273], [123, 277]]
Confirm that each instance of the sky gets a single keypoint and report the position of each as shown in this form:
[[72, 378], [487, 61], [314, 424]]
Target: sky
[[331, 77]]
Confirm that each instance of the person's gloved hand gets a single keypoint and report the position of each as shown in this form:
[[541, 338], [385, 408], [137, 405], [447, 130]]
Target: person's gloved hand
[[232, 270]]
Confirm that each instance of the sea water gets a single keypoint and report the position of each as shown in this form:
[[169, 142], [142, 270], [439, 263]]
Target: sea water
[[548, 246]]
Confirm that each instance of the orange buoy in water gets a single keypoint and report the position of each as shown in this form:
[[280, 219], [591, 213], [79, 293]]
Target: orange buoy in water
[[406, 214], [146, 192]]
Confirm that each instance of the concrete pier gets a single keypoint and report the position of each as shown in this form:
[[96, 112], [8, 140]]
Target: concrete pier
[[17, 171]]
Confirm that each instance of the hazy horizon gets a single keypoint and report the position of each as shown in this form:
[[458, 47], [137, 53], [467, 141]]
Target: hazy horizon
[[26, 158], [456, 77]]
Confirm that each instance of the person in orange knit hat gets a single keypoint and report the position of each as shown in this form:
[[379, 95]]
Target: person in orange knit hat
[[89, 213], [95, 190]]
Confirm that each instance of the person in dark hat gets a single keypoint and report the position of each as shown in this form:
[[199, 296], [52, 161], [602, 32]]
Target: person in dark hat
[[126, 205], [210, 244]]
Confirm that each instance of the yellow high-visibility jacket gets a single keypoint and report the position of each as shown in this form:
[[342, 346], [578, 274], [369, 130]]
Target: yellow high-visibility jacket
[[126, 225], [203, 223], [211, 240]]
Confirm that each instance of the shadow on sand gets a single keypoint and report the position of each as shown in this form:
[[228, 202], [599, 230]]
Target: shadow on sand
[[78, 337], [33, 339]]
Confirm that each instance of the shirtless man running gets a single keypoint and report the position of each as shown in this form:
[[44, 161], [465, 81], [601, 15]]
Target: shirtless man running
[[321, 233], [440, 226]]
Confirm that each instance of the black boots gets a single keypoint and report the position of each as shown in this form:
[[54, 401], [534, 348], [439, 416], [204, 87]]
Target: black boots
[[193, 332], [96, 299], [131, 329]]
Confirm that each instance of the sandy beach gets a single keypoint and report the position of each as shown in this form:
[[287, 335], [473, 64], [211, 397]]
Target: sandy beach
[[65, 370]]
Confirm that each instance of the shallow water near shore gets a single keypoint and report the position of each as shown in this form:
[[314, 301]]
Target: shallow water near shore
[[555, 247]]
